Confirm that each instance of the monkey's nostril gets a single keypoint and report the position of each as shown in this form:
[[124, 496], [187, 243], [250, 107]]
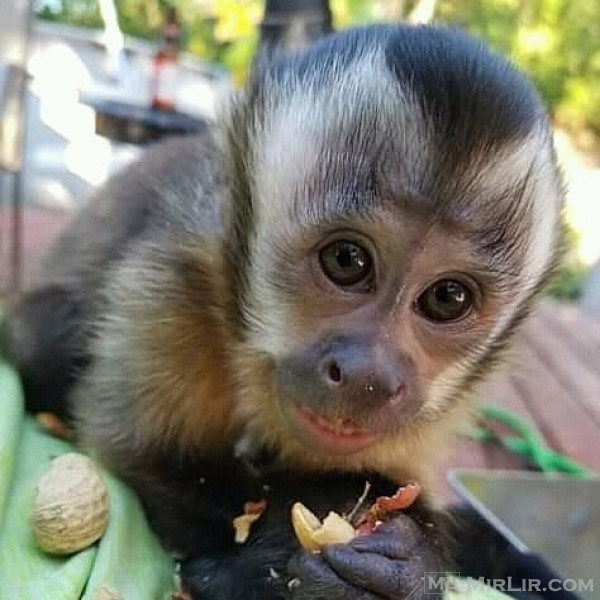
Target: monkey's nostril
[[334, 373], [398, 395]]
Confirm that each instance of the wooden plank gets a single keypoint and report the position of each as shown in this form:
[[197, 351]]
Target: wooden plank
[[582, 375], [565, 426], [562, 357], [575, 321], [500, 391], [40, 228]]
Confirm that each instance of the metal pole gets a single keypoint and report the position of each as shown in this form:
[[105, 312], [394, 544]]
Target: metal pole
[[17, 232], [17, 179]]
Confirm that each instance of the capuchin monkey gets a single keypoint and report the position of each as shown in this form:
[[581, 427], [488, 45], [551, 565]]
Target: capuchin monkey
[[301, 300]]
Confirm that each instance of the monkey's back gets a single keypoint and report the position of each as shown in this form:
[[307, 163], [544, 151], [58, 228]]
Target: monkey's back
[[175, 187], [176, 183]]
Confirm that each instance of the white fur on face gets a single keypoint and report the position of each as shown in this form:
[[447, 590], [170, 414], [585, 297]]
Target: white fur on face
[[445, 386], [290, 147]]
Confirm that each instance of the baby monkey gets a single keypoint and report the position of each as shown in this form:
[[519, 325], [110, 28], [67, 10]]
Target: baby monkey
[[302, 299]]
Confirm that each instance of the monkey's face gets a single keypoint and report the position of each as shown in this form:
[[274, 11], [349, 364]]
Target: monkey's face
[[382, 309], [371, 323], [396, 239]]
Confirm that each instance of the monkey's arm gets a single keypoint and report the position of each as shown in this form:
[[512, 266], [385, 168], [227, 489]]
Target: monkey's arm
[[389, 563]]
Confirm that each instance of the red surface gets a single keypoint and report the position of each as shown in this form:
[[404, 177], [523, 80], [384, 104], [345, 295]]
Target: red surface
[[40, 228]]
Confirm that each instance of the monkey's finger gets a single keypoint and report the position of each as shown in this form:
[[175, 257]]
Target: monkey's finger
[[393, 579], [395, 539], [403, 525], [388, 545]]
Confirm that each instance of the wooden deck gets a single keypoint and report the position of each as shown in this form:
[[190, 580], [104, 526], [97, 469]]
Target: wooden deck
[[40, 227], [552, 381]]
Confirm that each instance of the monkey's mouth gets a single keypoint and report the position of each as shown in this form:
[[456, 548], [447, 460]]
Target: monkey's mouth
[[339, 436]]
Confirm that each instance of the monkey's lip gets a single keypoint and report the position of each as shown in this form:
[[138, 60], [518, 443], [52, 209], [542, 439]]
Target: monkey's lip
[[336, 437]]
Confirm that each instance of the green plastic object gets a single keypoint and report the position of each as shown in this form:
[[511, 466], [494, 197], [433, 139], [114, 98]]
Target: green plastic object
[[527, 443], [128, 558]]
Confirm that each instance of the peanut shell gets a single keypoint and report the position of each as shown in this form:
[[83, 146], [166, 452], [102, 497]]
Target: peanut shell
[[70, 511]]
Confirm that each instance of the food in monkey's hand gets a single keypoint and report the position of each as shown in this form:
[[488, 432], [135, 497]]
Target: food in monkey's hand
[[385, 506], [70, 511], [313, 534], [242, 524]]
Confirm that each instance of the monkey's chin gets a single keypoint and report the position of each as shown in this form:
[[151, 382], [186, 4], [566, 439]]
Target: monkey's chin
[[328, 437]]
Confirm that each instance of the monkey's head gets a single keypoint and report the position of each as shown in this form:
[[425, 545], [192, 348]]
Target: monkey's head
[[396, 210]]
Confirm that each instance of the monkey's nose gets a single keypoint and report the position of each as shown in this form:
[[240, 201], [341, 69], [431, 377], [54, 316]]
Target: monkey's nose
[[359, 374]]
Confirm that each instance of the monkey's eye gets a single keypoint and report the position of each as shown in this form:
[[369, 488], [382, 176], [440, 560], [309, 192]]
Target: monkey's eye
[[445, 300], [346, 263]]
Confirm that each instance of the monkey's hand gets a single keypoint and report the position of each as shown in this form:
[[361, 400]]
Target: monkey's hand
[[389, 563]]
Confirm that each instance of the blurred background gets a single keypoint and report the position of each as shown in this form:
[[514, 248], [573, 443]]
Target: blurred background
[[85, 84]]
